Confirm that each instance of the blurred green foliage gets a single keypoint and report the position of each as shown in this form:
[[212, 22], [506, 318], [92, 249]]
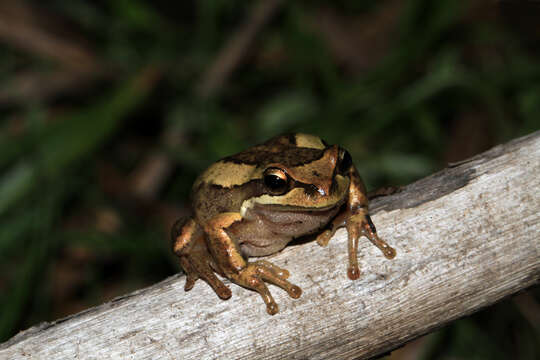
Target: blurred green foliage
[[452, 79]]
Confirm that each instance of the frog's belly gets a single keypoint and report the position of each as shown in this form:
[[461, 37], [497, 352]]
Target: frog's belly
[[264, 232]]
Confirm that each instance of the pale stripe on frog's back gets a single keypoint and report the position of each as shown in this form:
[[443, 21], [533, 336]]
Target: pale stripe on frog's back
[[228, 174]]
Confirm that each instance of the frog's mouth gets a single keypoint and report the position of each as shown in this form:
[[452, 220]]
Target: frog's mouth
[[299, 209], [285, 214]]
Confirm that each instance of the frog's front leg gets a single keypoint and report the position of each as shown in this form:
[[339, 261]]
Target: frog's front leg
[[251, 275], [189, 245], [357, 225], [355, 217]]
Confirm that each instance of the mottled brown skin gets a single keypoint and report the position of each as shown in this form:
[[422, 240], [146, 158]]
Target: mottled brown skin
[[255, 202]]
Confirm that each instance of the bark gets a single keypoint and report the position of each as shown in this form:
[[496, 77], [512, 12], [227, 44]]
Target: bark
[[466, 237]]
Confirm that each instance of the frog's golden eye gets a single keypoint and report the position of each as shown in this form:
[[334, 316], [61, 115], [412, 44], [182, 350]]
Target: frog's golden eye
[[276, 180], [345, 161]]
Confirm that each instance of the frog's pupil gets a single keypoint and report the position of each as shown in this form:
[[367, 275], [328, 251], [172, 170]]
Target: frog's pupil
[[346, 162], [274, 182]]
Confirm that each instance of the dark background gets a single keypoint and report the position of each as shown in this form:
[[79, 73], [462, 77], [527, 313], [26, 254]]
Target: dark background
[[110, 109]]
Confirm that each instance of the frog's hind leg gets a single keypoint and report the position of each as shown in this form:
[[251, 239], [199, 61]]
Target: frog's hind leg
[[250, 275], [189, 245]]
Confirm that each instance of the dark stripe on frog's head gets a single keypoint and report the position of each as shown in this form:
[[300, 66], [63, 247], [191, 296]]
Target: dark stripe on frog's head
[[288, 156], [290, 150]]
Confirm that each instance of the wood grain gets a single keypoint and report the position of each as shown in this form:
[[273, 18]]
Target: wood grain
[[465, 237]]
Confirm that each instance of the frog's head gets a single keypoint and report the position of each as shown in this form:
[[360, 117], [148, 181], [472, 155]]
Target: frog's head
[[300, 172]]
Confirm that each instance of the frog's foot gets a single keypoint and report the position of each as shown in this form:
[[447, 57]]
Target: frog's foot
[[197, 267], [254, 276], [357, 225]]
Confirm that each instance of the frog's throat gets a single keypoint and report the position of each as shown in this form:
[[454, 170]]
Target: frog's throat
[[298, 199]]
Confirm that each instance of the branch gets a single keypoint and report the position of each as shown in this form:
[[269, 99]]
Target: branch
[[465, 237]]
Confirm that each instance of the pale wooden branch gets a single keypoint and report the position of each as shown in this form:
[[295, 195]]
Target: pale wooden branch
[[465, 237]]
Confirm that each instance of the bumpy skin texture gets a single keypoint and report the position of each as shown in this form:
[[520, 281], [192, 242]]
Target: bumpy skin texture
[[255, 202]]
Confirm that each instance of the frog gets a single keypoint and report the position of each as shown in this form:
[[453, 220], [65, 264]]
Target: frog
[[252, 204]]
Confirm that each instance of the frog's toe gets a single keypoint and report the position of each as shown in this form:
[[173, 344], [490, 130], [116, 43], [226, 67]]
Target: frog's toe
[[250, 277], [220, 289], [191, 273], [195, 269], [294, 291], [275, 275], [389, 252], [369, 231], [272, 308], [353, 272], [255, 275], [190, 282]]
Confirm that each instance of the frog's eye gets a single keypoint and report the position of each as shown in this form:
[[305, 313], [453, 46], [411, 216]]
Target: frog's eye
[[276, 180], [345, 161]]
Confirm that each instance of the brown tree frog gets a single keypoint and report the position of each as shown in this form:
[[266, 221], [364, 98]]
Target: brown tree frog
[[255, 202]]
